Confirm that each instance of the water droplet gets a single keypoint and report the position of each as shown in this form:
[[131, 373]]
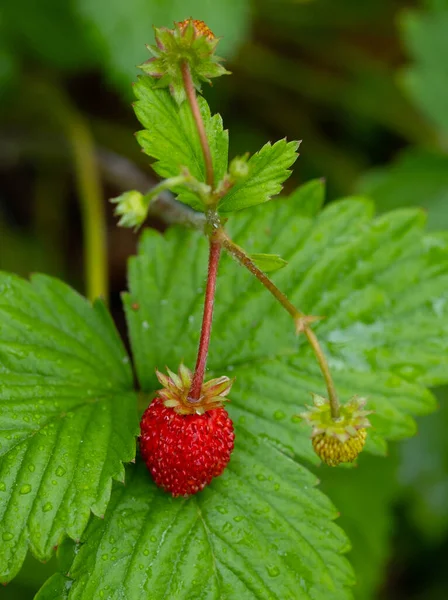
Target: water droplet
[[114, 549], [273, 571], [222, 510], [2, 486], [105, 556], [125, 360], [261, 477], [153, 538], [31, 468], [47, 507], [227, 527], [7, 536], [279, 415], [146, 552], [112, 539], [25, 489], [276, 486], [145, 325], [60, 471], [296, 419], [238, 518], [141, 567]]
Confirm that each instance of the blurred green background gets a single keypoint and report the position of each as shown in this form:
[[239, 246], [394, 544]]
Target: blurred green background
[[364, 84]]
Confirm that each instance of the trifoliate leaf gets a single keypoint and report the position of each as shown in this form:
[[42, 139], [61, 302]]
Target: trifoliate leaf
[[260, 531], [268, 169], [67, 415], [170, 136], [418, 178], [424, 35], [268, 262]]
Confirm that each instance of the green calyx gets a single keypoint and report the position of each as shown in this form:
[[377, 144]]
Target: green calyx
[[352, 418], [191, 42]]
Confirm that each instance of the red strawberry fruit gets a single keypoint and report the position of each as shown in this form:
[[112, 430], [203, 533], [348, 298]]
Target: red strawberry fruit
[[184, 444]]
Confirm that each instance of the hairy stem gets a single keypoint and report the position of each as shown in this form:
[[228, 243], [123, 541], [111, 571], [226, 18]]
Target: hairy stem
[[193, 102], [198, 377], [300, 319]]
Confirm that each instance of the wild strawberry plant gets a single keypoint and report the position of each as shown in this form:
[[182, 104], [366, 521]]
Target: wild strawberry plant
[[70, 410]]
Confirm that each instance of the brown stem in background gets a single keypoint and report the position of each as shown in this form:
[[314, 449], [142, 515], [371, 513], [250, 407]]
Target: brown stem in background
[[193, 102], [198, 377]]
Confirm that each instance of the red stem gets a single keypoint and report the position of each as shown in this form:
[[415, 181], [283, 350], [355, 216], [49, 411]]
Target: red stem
[[193, 102], [198, 377]]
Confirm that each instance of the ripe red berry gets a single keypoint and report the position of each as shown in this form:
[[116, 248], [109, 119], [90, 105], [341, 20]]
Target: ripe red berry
[[185, 446]]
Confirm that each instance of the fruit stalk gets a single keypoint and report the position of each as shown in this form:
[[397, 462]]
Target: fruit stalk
[[300, 319], [209, 301], [193, 102]]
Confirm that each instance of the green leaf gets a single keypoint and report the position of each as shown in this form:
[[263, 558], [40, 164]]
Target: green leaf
[[423, 473], [268, 169], [269, 262], [424, 35], [418, 178], [379, 283], [170, 136], [67, 415], [364, 497], [310, 197], [122, 29], [260, 531], [50, 31]]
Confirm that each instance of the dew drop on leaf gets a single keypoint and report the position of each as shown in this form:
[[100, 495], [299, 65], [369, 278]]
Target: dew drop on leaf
[[25, 489], [31, 468], [60, 471], [227, 527], [273, 571], [7, 536], [2, 486], [47, 507], [279, 415]]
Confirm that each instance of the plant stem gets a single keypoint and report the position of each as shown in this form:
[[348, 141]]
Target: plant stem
[[193, 101], [325, 369], [300, 319], [198, 377], [91, 205]]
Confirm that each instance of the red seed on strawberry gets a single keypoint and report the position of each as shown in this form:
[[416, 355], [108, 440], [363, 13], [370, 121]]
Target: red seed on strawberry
[[185, 445]]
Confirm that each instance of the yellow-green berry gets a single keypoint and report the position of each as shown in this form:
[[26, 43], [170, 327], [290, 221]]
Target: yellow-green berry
[[333, 452], [338, 440]]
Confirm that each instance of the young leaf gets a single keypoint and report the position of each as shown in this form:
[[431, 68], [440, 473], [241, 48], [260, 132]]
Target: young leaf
[[268, 262], [170, 136], [261, 530], [268, 169], [67, 415]]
